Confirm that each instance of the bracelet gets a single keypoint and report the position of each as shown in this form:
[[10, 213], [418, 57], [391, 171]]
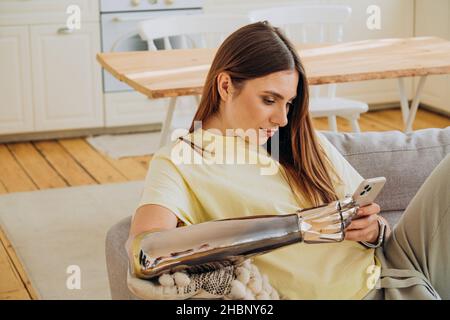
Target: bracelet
[[381, 236]]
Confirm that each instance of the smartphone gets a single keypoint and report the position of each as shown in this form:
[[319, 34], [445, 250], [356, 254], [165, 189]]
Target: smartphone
[[368, 190]]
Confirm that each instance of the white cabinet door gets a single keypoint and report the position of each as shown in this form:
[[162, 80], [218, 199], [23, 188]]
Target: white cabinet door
[[16, 111], [66, 77]]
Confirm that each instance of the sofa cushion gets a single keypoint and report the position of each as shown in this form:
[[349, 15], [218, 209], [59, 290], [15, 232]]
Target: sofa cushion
[[406, 160]]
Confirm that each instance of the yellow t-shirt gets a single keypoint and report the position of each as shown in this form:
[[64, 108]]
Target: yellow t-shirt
[[197, 190]]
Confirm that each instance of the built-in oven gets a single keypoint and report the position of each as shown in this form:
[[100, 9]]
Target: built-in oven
[[119, 26]]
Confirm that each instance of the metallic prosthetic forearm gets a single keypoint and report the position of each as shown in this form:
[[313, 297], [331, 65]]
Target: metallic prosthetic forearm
[[215, 244]]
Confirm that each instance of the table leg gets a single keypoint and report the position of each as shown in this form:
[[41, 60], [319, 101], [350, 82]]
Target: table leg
[[410, 114], [403, 100], [415, 104], [167, 122]]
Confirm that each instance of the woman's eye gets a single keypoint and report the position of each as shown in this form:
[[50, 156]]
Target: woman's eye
[[268, 101]]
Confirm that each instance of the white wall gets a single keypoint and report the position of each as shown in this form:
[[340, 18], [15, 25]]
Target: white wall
[[434, 20], [397, 15], [397, 20]]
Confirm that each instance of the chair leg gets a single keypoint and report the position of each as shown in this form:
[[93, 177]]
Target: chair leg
[[332, 123], [354, 123]]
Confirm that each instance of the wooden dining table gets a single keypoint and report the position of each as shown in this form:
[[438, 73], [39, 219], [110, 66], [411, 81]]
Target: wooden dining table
[[182, 72]]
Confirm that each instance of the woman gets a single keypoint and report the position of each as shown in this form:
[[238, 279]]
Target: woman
[[256, 94]]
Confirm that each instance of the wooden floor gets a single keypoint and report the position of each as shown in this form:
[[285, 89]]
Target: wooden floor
[[29, 166]]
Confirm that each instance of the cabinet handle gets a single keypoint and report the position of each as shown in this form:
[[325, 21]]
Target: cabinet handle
[[65, 30], [125, 19]]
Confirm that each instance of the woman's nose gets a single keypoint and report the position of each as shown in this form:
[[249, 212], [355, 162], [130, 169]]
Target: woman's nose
[[280, 117]]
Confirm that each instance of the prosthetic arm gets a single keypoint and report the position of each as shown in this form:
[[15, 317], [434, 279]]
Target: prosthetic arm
[[217, 244]]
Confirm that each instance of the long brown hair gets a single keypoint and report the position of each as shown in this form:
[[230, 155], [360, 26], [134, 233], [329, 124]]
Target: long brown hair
[[254, 51]]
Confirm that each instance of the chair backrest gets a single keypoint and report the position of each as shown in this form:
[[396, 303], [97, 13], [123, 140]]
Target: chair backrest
[[320, 23], [189, 31]]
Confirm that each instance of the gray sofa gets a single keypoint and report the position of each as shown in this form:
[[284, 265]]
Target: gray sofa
[[406, 160]]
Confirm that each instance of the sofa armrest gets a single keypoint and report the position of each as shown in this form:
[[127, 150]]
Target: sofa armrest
[[117, 260]]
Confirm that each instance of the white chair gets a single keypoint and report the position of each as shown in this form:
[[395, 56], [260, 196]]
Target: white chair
[[183, 32], [317, 24]]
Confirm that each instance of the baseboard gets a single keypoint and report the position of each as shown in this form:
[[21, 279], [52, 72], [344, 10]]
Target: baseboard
[[33, 136], [396, 105], [435, 110], [383, 106]]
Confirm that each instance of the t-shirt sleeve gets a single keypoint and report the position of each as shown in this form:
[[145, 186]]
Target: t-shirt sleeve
[[348, 174], [164, 185]]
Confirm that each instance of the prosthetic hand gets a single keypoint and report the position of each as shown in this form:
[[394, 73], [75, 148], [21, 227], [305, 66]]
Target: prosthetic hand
[[217, 244], [232, 282]]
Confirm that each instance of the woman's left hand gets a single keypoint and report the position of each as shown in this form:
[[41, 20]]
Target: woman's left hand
[[364, 227]]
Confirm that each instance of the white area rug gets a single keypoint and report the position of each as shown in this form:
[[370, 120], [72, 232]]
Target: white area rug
[[53, 229], [126, 145], [119, 146]]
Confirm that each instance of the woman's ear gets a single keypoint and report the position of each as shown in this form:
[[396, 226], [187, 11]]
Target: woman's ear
[[225, 86]]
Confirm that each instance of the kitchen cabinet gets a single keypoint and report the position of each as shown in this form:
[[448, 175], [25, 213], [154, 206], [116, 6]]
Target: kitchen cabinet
[[66, 77], [28, 12], [16, 111], [49, 77]]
